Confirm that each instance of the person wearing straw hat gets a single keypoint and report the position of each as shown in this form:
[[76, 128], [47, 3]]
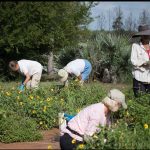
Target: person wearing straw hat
[[140, 59], [30, 70], [81, 68], [84, 125]]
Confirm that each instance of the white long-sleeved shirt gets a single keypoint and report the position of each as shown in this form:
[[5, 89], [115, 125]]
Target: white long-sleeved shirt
[[138, 57], [87, 121]]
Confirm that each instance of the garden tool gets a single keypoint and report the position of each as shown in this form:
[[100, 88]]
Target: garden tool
[[61, 120], [68, 117], [21, 87]]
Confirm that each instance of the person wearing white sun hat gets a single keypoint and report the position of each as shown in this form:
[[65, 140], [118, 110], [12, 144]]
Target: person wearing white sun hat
[[85, 124], [81, 68]]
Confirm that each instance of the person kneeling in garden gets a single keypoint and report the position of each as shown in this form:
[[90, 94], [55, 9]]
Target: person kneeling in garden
[[31, 71], [84, 125], [81, 68]]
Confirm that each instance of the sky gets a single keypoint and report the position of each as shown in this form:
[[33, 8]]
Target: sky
[[104, 7]]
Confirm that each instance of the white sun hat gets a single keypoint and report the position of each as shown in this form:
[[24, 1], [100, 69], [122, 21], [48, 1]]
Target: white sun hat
[[63, 74], [118, 96]]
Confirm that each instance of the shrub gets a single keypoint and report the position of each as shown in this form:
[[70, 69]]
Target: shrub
[[14, 128]]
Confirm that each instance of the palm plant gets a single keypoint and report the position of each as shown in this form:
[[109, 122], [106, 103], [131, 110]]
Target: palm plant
[[111, 51]]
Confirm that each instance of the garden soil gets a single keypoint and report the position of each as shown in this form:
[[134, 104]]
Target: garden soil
[[50, 141]]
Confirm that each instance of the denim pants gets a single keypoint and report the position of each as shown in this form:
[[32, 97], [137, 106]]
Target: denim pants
[[87, 70]]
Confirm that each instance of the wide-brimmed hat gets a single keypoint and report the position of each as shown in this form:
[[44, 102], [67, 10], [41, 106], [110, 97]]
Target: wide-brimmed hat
[[143, 30], [118, 96], [63, 74]]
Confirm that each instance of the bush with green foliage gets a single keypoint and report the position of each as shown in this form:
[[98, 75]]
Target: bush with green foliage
[[15, 128]]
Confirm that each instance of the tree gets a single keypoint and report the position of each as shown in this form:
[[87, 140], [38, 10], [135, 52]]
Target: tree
[[144, 17], [129, 23], [117, 23], [33, 28], [109, 19]]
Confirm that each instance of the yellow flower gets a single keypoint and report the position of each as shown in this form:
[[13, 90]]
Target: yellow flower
[[73, 141], [49, 147], [146, 126], [61, 99], [48, 99], [95, 136], [8, 94], [19, 92], [18, 97], [127, 113], [13, 88], [41, 122], [81, 146], [76, 80], [31, 97], [38, 97], [21, 103], [52, 90], [44, 109], [33, 111], [78, 110]]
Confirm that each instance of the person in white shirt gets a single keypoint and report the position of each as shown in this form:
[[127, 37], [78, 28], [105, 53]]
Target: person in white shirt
[[87, 122], [140, 59], [31, 71], [81, 68]]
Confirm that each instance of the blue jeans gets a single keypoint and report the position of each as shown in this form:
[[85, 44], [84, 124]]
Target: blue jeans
[[87, 70]]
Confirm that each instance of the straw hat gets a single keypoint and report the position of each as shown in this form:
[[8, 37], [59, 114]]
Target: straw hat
[[143, 30], [63, 74]]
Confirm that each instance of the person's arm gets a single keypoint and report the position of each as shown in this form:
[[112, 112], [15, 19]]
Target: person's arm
[[91, 129], [77, 74], [26, 79], [79, 77]]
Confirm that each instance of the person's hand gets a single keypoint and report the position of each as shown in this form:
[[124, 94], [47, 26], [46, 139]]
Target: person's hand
[[87, 138], [66, 83], [148, 63], [81, 82], [21, 87]]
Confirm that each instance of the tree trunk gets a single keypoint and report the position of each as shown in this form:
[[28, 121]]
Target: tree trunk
[[50, 63], [106, 76]]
